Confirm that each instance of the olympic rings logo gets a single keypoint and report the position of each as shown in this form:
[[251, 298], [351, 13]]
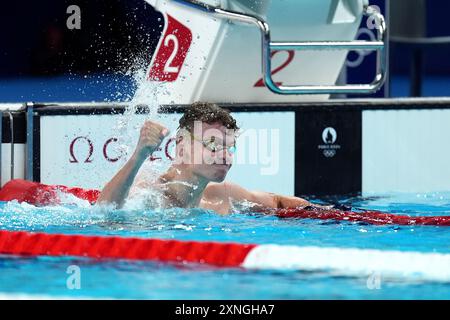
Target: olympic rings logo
[[373, 22], [361, 54]]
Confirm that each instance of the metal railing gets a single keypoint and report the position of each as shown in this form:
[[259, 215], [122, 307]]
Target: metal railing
[[268, 45]]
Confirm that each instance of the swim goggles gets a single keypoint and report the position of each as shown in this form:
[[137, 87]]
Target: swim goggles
[[213, 146]]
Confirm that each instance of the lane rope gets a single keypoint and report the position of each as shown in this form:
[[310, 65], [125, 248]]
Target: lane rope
[[41, 194], [370, 217], [342, 261], [37, 244]]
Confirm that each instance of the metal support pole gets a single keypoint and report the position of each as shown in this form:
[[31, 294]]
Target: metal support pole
[[1, 142], [416, 72], [11, 129], [30, 134]]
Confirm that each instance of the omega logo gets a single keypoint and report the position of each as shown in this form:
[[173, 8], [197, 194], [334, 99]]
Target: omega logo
[[87, 157]]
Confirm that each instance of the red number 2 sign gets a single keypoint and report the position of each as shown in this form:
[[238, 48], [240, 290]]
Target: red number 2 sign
[[172, 51], [290, 57]]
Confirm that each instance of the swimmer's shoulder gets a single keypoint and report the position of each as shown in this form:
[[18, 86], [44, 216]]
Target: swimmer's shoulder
[[216, 196], [213, 189], [237, 198], [223, 189]]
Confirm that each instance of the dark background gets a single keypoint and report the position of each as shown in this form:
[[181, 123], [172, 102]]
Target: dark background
[[36, 42], [436, 59]]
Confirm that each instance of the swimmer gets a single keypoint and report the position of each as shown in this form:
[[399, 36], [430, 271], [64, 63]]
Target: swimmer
[[205, 143]]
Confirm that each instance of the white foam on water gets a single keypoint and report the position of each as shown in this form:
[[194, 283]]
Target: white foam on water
[[352, 262], [70, 199], [20, 216]]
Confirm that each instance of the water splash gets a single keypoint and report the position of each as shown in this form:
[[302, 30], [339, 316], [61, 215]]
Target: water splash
[[128, 127], [69, 218], [145, 198], [20, 216]]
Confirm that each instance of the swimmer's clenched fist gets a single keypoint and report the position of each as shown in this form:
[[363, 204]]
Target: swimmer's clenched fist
[[151, 136]]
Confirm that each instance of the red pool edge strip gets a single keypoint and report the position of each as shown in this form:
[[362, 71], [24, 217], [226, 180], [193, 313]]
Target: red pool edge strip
[[41, 194], [113, 247]]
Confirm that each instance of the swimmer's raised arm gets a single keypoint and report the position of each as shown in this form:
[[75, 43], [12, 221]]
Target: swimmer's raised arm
[[116, 190]]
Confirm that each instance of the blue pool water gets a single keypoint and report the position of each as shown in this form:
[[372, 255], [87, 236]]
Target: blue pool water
[[125, 279]]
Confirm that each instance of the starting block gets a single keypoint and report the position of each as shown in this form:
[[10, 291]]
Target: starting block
[[223, 50]]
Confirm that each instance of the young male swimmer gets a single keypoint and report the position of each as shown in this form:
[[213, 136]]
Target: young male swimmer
[[205, 143]]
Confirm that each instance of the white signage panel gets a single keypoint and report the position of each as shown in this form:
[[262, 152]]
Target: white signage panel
[[406, 151], [87, 150]]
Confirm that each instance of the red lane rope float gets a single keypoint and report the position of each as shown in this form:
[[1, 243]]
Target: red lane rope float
[[370, 217], [42, 194], [346, 261], [37, 244]]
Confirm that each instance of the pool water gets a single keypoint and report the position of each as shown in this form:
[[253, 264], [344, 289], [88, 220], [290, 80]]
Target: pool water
[[48, 276]]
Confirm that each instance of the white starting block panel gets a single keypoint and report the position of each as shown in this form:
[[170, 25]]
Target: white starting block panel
[[201, 57]]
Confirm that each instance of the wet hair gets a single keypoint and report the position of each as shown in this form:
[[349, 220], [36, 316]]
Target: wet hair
[[206, 112]]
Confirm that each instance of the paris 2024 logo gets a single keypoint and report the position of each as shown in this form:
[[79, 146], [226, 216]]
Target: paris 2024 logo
[[329, 138]]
